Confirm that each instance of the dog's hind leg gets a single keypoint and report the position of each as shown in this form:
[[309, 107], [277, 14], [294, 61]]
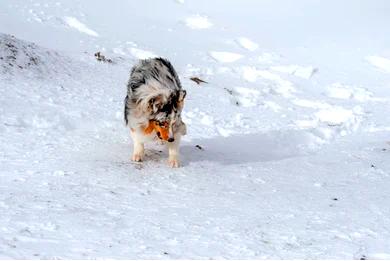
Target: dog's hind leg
[[138, 148], [173, 152]]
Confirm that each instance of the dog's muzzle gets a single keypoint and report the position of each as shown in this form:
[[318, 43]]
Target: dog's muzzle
[[170, 139]]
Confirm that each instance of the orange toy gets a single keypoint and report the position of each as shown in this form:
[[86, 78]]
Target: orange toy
[[162, 130]]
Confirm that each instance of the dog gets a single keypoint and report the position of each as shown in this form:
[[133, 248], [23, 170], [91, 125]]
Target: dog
[[153, 107]]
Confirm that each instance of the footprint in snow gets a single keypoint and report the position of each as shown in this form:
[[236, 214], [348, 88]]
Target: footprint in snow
[[346, 92], [245, 97], [79, 26], [225, 57], [278, 85], [383, 64], [247, 44], [305, 72], [269, 58], [198, 22]]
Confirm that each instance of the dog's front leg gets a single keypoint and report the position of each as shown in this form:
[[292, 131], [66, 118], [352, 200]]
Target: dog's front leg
[[138, 152], [138, 148], [173, 152]]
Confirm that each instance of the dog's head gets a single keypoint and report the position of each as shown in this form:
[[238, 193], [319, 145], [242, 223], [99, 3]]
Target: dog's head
[[165, 109], [167, 113]]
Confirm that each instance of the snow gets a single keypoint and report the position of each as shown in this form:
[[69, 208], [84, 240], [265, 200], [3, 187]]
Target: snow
[[198, 22], [141, 54], [246, 97], [76, 24], [380, 62], [334, 116], [268, 58], [279, 85], [287, 150], [344, 91], [300, 71], [247, 44], [225, 57]]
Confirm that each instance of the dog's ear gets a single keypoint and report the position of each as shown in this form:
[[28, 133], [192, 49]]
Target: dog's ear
[[180, 100], [182, 95]]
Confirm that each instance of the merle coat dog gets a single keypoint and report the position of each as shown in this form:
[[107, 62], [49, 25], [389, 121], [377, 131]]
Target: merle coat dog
[[153, 107]]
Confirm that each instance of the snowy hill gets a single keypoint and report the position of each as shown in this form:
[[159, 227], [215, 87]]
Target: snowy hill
[[287, 149]]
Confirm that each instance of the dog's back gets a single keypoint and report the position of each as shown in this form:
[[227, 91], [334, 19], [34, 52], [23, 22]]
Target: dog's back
[[157, 69]]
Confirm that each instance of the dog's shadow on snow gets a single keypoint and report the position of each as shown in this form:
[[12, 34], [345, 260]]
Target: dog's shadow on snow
[[269, 146]]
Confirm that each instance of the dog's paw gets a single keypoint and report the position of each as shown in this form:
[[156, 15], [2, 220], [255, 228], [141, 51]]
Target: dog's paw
[[137, 157], [173, 163]]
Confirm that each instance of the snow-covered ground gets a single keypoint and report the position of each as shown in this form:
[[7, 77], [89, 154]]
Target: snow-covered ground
[[287, 152]]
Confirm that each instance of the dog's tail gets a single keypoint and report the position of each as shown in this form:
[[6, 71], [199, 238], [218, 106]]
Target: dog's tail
[[126, 111]]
